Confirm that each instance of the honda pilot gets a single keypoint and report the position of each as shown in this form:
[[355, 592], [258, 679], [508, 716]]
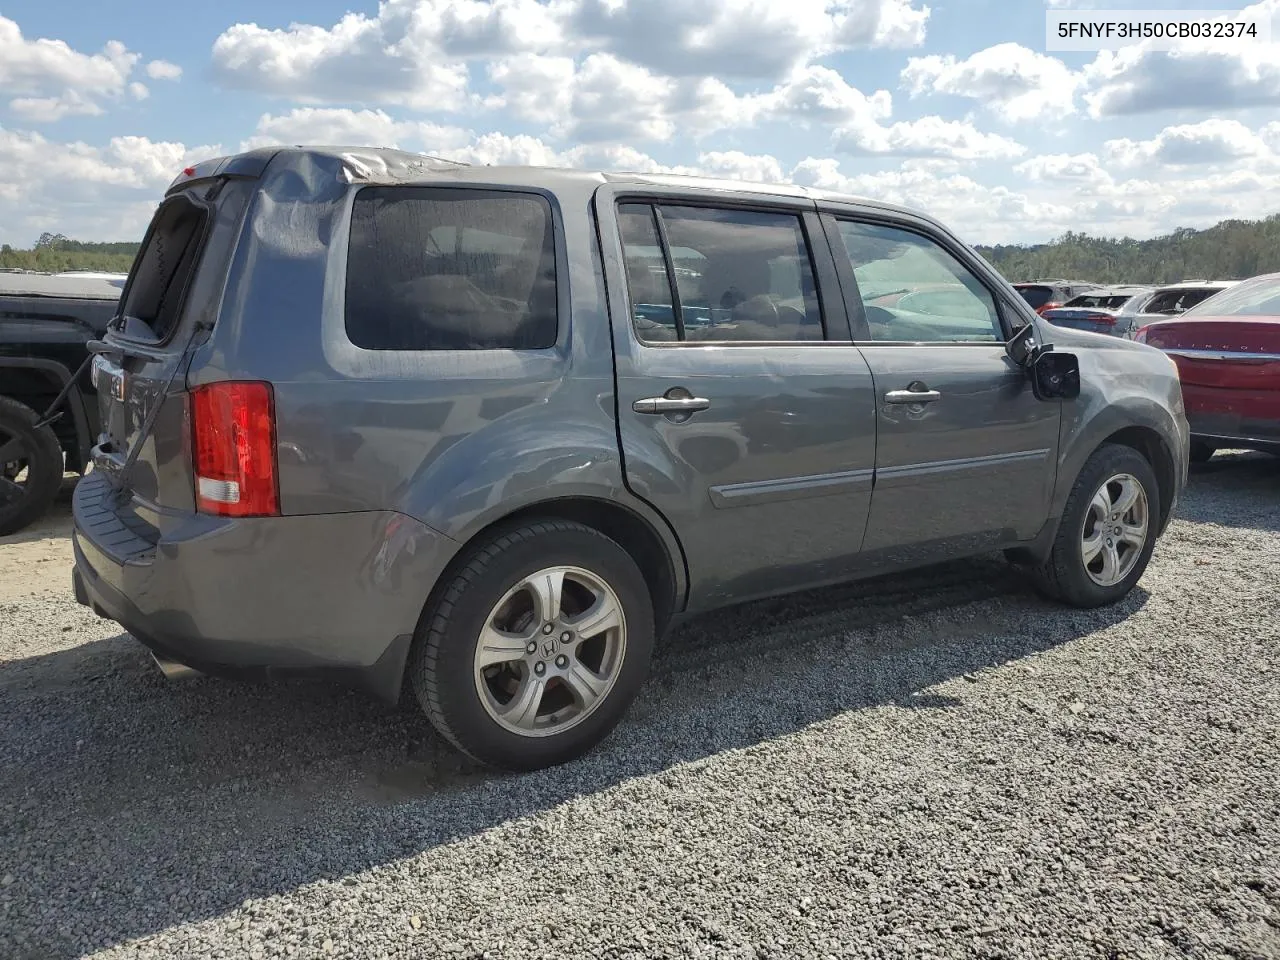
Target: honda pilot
[[482, 434]]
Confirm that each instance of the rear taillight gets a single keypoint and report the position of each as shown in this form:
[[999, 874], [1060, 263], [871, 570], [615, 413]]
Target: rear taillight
[[233, 449], [1140, 334]]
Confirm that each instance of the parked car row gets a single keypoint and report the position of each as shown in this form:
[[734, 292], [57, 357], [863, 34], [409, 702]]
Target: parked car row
[[1117, 310], [1224, 336]]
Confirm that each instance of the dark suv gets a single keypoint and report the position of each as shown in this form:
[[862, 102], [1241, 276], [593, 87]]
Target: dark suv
[[1045, 295], [45, 323], [489, 431]]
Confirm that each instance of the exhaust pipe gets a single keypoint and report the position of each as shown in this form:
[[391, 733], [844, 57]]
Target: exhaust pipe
[[173, 670]]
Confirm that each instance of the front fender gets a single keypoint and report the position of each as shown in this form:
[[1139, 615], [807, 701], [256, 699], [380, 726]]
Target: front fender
[[1122, 389]]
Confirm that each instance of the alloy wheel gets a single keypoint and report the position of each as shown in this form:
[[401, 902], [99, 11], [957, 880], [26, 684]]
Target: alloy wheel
[[550, 651], [1115, 529]]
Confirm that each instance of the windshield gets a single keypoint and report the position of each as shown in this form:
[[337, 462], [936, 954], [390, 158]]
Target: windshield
[[1253, 298]]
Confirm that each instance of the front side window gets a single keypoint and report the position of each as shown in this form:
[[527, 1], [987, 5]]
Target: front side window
[[913, 290], [450, 269], [737, 275]]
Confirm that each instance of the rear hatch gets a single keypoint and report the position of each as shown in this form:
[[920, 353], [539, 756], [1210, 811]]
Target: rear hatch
[[1082, 318], [1037, 296], [168, 307]]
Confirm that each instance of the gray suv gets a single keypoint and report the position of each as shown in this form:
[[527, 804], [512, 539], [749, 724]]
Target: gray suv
[[486, 432]]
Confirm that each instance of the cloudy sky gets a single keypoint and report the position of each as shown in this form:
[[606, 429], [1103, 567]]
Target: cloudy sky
[[952, 106]]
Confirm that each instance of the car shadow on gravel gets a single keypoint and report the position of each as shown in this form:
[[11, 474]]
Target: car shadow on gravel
[[1234, 489], [133, 805]]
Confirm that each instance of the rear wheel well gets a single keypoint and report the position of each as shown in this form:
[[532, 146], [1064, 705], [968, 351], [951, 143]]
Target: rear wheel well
[[1152, 447], [626, 528]]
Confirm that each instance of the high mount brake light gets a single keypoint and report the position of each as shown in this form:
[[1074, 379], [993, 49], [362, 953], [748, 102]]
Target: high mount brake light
[[233, 449]]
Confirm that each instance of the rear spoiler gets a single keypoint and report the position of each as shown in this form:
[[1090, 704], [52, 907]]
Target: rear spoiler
[[247, 165]]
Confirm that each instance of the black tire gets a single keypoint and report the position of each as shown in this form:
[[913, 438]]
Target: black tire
[[1201, 452], [44, 467], [1063, 576], [441, 666]]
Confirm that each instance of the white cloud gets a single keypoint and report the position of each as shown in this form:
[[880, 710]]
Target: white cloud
[[1200, 75], [49, 80], [333, 126], [977, 212], [139, 91], [927, 137], [821, 95], [415, 52], [1014, 81], [93, 192], [163, 70], [1214, 141], [358, 59], [1062, 168], [52, 109], [605, 98], [740, 39]]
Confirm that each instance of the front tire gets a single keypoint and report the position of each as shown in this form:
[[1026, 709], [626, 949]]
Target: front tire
[[1107, 531], [533, 651], [31, 466]]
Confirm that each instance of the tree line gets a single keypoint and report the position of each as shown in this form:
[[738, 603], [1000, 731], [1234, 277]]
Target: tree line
[[54, 253], [1234, 249]]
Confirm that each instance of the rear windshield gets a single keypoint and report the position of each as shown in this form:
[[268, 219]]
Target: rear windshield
[[1036, 296], [165, 266], [450, 269], [1094, 301]]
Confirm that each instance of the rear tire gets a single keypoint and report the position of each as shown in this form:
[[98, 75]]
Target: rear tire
[[40, 458], [498, 665], [1095, 559], [1201, 452]]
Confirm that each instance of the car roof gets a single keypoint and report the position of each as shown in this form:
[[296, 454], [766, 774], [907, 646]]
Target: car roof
[[1199, 285], [383, 165], [1117, 290], [60, 285]]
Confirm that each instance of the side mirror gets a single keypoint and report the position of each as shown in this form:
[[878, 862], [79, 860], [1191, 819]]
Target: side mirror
[[1055, 376]]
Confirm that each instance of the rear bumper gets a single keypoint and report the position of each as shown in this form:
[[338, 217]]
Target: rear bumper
[[338, 594]]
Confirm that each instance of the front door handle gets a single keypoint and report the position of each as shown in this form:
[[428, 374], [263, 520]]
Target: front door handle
[[671, 405], [912, 396]]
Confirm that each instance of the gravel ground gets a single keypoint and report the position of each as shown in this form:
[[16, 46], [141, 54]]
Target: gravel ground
[[936, 764]]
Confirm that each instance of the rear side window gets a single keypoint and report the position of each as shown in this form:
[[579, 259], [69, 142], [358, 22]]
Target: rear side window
[[1176, 301], [166, 265], [451, 269], [738, 275]]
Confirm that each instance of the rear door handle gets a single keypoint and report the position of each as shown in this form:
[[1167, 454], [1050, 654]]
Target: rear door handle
[[671, 405], [912, 396]]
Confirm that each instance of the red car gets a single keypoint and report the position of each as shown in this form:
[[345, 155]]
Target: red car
[[1227, 349]]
